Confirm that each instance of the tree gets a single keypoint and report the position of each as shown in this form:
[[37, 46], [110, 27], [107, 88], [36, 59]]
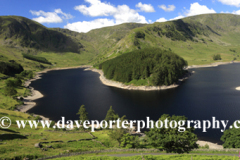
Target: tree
[[9, 91], [153, 66], [30, 75], [14, 83], [17, 82], [117, 134], [10, 83], [83, 113], [128, 141], [170, 139], [140, 34], [217, 57], [111, 115], [231, 138]]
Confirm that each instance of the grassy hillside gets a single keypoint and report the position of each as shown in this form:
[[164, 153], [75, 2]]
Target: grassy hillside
[[62, 47], [21, 36], [98, 42], [196, 38], [20, 32]]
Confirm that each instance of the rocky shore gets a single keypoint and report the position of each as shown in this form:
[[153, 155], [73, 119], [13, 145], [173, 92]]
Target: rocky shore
[[211, 65], [116, 84]]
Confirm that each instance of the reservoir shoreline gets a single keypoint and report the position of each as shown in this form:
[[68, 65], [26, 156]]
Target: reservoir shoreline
[[36, 94], [121, 85], [116, 84]]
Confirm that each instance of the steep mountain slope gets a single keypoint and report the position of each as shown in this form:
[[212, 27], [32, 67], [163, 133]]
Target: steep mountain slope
[[59, 46], [21, 35], [98, 42], [195, 38], [20, 32]]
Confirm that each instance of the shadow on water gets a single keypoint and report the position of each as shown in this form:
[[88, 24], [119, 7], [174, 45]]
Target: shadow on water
[[210, 92]]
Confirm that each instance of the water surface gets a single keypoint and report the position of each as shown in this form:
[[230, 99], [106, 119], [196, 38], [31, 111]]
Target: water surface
[[209, 92]]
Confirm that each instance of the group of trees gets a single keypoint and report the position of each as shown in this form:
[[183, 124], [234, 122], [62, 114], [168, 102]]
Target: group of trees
[[10, 68], [9, 89], [13, 83], [232, 50], [25, 74], [138, 35], [162, 138], [217, 57], [36, 58], [231, 138], [162, 67], [169, 139]]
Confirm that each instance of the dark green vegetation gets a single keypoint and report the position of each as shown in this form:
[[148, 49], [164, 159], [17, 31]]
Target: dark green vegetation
[[172, 140], [10, 68], [169, 140], [217, 57], [10, 90], [12, 87], [230, 138], [158, 67], [36, 58], [111, 115], [83, 115]]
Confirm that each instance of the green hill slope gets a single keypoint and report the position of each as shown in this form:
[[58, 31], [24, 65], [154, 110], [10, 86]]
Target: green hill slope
[[20, 32], [19, 35], [98, 42], [61, 47], [195, 38]]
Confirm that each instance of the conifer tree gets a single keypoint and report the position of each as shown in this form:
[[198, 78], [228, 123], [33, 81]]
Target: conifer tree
[[83, 113], [111, 115]]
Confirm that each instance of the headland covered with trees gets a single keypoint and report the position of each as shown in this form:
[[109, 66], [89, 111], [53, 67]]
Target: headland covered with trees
[[149, 67]]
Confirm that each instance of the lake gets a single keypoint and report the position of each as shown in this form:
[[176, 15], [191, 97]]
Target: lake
[[208, 92]]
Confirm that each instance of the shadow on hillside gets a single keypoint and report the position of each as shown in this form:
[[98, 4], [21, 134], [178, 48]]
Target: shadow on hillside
[[8, 130], [11, 136]]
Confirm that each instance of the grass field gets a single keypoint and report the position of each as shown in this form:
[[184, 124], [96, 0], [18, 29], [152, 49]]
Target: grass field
[[19, 142], [153, 157]]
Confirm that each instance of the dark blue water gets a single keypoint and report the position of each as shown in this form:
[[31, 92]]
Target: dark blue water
[[207, 93]]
